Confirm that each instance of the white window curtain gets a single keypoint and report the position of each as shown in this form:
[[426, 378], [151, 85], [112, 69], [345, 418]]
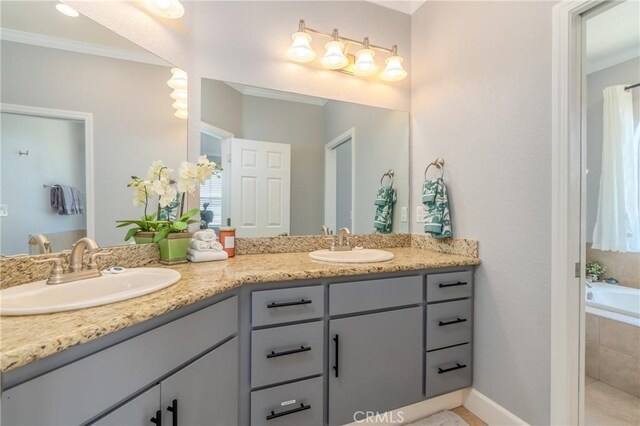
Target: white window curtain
[[618, 224]]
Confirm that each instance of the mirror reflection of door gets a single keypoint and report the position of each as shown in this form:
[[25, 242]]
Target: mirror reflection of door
[[343, 185]]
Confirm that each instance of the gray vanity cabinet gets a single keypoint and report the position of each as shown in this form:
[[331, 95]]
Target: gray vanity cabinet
[[136, 412], [375, 363], [205, 392]]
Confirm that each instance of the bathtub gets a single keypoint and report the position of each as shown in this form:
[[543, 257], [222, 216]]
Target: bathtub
[[614, 302]]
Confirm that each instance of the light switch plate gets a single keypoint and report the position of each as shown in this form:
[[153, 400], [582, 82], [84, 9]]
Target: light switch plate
[[4, 210], [403, 214], [420, 213]]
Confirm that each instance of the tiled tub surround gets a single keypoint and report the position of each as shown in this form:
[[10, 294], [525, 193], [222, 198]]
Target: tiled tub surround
[[26, 339], [613, 353], [625, 267], [21, 270]]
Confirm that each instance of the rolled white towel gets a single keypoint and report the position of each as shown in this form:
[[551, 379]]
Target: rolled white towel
[[206, 256], [205, 235], [199, 245], [215, 246]]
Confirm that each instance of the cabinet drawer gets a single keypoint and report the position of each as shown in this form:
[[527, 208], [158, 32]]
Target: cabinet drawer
[[448, 370], [449, 324], [75, 393], [294, 404], [346, 298], [287, 305], [452, 285], [286, 353]]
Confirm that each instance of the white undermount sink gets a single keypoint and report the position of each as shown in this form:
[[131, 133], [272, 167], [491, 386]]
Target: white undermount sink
[[352, 256], [41, 298]]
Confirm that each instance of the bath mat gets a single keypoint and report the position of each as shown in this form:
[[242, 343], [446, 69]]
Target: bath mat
[[443, 418]]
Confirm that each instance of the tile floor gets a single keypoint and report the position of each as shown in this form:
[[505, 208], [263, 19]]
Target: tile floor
[[608, 406]]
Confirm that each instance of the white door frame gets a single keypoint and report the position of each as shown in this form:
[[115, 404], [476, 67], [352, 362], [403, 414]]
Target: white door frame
[[226, 138], [330, 170], [567, 214], [87, 119]]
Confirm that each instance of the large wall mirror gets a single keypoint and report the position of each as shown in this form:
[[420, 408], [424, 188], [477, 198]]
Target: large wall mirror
[[302, 165], [82, 108]]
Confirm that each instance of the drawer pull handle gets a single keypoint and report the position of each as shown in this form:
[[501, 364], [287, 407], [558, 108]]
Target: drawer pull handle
[[282, 304], [173, 409], [457, 367], [291, 352], [335, 367], [275, 415], [455, 321], [442, 285], [157, 419]]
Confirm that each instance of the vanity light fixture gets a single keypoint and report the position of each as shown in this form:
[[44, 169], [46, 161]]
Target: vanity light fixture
[[334, 58], [171, 9], [65, 9], [337, 56], [179, 83]]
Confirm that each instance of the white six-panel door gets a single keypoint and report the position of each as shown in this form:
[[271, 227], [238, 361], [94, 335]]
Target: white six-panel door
[[260, 188]]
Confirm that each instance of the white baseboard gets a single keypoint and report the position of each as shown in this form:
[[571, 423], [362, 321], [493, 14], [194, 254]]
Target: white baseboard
[[490, 411]]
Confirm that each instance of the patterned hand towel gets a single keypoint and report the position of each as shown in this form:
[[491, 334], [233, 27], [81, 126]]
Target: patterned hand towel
[[437, 220], [383, 222]]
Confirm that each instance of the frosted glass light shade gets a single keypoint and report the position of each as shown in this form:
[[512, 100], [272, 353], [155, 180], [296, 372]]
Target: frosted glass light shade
[[300, 50], [178, 80], [365, 64], [171, 9], [180, 104], [67, 10], [394, 71], [181, 113], [334, 58], [179, 95]]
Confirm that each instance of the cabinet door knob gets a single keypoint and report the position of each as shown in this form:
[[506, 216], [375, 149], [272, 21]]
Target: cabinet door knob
[[173, 409], [157, 419]]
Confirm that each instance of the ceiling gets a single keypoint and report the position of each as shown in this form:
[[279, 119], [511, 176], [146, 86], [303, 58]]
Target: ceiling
[[39, 23], [613, 36], [404, 6]]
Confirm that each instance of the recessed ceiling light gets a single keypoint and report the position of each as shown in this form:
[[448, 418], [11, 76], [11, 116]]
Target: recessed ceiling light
[[67, 10], [171, 9]]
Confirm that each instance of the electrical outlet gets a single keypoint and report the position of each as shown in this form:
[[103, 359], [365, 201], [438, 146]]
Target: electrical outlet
[[420, 213], [4, 210], [403, 214]]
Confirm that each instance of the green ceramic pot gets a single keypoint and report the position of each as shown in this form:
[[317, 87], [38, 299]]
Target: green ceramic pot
[[173, 249], [143, 237]]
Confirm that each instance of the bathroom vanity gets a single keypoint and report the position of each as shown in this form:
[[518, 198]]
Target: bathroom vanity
[[311, 351]]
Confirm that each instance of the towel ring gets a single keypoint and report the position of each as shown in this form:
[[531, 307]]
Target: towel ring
[[390, 175], [439, 163]]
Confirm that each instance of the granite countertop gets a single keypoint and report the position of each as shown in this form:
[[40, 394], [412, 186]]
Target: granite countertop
[[25, 339]]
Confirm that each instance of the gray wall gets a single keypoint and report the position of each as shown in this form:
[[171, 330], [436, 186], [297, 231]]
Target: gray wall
[[481, 98], [381, 143], [132, 113], [299, 125], [222, 106], [627, 72], [56, 156]]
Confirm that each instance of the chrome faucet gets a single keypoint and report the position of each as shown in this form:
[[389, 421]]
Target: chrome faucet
[[78, 269], [343, 241]]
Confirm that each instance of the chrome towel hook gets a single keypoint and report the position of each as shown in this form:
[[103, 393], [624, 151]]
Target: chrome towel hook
[[438, 163], [390, 173]]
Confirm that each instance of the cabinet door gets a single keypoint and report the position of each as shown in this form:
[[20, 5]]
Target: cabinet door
[[205, 392], [375, 363], [137, 412]]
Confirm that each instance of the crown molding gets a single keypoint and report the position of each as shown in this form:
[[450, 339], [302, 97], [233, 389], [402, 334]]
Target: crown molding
[[276, 94], [611, 60], [51, 42]]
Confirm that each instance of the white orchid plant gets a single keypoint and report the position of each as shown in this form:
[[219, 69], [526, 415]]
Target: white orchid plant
[[169, 217]]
